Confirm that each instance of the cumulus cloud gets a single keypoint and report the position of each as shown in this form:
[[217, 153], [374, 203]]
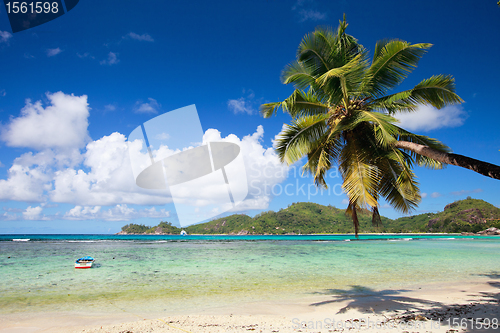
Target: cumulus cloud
[[245, 104], [32, 213], [91, 176], [149, 107], [24, 184], [5, 36], [143, 37], [263, 167], [436, 195], [111, 60], [62, 124], [105, 176], [53, 52], [107, 180], [427, 118], [117, 213]]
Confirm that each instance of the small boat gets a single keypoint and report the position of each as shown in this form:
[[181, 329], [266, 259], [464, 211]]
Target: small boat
[[183, 233], [85, 262]]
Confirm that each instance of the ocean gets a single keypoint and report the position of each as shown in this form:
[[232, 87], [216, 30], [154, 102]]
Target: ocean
[[183, 274]]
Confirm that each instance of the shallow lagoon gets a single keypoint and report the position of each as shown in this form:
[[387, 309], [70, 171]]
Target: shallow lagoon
[[182, 274]]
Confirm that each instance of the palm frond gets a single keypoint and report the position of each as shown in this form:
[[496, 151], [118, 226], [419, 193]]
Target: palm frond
[[438, 91], [349, 76], [398, 184], [360, 177], [321, 157], [298, 139], [298, 74], [395, 60], [385, 131], [298, 104]]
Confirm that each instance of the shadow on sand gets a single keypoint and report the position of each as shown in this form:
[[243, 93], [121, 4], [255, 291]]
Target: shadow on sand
[[479, 312]]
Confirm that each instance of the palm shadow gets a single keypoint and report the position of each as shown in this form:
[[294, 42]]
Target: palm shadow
[[368, 300], [477, 313]]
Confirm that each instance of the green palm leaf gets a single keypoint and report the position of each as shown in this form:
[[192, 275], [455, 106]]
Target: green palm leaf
[[437, 91], [297, 139], [392, 63], [299, 104]]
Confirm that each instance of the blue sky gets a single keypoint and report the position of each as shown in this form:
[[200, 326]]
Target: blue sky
[[73, 89]]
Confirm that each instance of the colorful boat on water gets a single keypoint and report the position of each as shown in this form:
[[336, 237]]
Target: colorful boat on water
[[85, 262]]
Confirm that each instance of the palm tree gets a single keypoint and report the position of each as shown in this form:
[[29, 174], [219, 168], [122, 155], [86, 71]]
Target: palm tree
[[342, 112]]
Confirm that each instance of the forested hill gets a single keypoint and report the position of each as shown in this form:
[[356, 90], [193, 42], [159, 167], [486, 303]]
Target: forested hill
[[469, 215]]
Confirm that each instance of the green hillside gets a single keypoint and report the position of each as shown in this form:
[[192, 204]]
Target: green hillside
[[299, 218], [470, 215]]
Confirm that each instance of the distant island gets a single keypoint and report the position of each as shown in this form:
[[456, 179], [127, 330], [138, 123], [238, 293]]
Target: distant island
[[464, 216]]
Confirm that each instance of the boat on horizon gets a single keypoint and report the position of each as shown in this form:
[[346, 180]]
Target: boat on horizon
[[85, 262]]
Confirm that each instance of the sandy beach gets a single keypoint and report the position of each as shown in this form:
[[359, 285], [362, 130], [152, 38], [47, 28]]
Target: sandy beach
[[425, 308]]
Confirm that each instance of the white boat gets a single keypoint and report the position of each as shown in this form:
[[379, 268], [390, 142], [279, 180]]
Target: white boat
[[85, 262], [183, 233]]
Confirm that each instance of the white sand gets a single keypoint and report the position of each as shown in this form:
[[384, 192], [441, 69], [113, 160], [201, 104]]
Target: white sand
[[416, 310]]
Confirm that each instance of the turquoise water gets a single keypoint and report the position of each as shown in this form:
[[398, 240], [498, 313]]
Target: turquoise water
[[182, 274]]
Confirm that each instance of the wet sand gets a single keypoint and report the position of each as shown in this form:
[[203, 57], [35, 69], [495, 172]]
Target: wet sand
[[425, 308]]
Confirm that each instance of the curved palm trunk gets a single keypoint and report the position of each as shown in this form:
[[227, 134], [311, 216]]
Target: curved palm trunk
[[484, 168]]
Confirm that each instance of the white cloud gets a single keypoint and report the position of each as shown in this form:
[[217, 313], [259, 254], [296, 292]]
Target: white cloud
[[85, 55], [32, 213], [162, 136], [53, 52], [3, 92], [243, 104], [5, 36], [117, 213], [149, 107], [302, 8], [62, 124], [109, 107], [424, 195], [112, 59], [310, 14], [240, 106], [436, 195], [427, 118], [24, 184], [143, 37], [464, 192], [82, 213], [263, 167], [108, 181], [101, 174]]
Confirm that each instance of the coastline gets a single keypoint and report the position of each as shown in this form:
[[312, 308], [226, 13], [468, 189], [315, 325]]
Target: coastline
[[393, 310], [161, 285]]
